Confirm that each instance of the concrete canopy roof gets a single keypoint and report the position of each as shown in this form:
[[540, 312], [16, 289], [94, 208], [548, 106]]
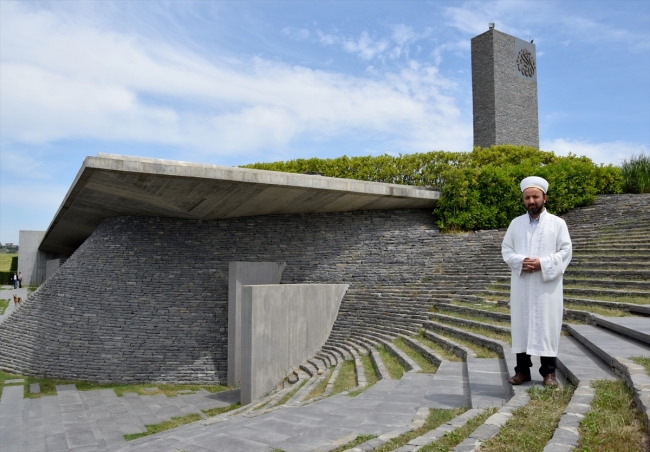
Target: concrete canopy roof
[[114, 185]]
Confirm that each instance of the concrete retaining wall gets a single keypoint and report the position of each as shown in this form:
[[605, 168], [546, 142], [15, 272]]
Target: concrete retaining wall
[[240, 274], [282, 326], [31, 262]]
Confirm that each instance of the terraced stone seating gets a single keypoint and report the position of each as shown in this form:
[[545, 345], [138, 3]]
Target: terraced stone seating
[[463, 308]]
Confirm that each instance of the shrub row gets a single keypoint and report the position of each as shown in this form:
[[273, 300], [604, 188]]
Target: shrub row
[[480, 189]]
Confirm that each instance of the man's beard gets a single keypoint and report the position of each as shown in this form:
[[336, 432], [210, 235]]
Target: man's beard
[[535, 209]]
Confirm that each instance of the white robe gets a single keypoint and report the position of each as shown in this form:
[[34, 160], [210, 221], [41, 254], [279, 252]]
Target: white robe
[[536, 299]]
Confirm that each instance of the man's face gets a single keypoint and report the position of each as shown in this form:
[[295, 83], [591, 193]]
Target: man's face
[[534, 200]]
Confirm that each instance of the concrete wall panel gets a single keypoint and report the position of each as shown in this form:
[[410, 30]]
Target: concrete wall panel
[[31, 261], [282, 326], [240, 274]]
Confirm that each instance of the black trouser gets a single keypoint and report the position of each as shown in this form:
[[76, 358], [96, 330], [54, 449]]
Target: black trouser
[[524, 364]]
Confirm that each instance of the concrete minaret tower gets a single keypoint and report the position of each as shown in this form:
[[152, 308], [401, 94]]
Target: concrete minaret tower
[[504, 88]]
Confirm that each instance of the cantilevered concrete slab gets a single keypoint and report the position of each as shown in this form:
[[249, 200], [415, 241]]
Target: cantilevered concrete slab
[[114, 185]]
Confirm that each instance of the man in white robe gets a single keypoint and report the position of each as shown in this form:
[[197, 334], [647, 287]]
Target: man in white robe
[[537, 247]]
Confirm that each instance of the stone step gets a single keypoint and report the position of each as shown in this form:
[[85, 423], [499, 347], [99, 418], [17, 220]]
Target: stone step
[[371, 348], [637, 328], [580, 364], [472, 311], [460, 322], [607, 344], [488, 382]]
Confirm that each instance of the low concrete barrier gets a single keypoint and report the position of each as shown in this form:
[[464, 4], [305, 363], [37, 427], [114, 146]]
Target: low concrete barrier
[[281, 327]]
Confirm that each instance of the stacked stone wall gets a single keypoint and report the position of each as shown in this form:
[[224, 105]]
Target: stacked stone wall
[[145, 298]]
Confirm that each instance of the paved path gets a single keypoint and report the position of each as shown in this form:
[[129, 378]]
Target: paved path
[[389, 405], [90, 420]]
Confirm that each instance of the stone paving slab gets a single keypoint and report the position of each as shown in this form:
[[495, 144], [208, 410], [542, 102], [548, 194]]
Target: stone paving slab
[[581, 364], [636, 327], [608, 345], [449, 388], [94, 420], [388, 406], [486, 382]]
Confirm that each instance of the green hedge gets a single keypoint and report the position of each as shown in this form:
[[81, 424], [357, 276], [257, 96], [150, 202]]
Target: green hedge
[[5, 278], [480, 189]]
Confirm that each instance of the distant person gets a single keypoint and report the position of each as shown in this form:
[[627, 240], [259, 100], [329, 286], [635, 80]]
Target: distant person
[[537, 247], [20, 280], [14, 279]]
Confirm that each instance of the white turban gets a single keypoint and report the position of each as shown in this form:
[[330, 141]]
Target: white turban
[[534, 182]]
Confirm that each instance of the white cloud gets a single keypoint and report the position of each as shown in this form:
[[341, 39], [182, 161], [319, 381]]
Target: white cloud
[[299, 34], [613, 152], [65, 81], [365, 46]]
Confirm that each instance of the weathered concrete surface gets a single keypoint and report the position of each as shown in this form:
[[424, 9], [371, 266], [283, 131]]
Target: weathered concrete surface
[[282, 326], [110, 185], [240, 274], [31, 261]]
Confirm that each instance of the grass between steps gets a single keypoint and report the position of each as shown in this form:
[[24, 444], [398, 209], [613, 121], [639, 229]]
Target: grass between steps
[[3, 306], [427, 366], [346, 379], [371, 374], [48, 386], [451, 439], [436, 418], [645, 362], [166, 425], [174, 422], [290, 394], [480, 351], [531, 427], [474, 317], [393, 366], [320, 387], [505, 337], [355, 442], [606, 312], [443, 352], [493, 307], [613, 424]]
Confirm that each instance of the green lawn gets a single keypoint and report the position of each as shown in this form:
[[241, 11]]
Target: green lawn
[[5, 262]]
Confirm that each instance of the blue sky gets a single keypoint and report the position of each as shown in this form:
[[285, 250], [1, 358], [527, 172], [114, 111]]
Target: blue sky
[[235, 82]]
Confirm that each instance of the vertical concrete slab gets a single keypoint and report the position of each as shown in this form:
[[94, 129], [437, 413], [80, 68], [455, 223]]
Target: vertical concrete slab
[[31, 261], [240, 274], [281, 327]]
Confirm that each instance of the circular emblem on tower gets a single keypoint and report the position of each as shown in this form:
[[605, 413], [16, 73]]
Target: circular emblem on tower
[[526, 63]]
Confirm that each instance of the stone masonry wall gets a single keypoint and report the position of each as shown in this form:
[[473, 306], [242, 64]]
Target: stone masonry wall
[[145, 298]]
